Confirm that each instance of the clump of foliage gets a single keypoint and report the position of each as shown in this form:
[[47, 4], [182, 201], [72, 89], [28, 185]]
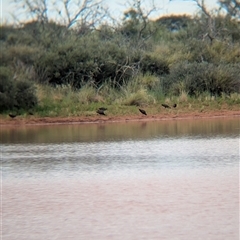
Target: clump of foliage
[[195, 78], [15, 95], [7, 89], [139, 98]]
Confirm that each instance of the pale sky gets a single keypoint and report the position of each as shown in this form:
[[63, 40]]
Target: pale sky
[[117, 7]]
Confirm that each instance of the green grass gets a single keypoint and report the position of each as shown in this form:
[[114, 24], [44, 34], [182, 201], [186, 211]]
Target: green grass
[[64, 102]]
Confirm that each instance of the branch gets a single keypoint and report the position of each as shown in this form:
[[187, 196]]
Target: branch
[[144, 18], [86, 10], [202, 6], [36, 8]]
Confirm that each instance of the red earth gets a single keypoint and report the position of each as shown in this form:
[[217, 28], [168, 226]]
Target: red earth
[[33, 120]]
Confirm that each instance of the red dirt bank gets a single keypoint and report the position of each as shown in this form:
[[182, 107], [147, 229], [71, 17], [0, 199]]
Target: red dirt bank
[[32, 120]]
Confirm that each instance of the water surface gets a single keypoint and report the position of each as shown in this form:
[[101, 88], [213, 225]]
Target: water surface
[[142, 180]]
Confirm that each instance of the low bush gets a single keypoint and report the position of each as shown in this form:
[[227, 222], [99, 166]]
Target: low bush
[[25, 95], [7, 89], [195, 78], [154, 65], [139, 98], [217, 52], [15, 95]]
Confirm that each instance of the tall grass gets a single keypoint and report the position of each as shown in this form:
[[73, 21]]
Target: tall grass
[[64, 101]]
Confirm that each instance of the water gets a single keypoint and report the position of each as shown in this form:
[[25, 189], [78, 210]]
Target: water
[[145, 180]]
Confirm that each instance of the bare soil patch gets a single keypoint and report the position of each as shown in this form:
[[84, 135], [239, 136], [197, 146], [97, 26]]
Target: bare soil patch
[[34, 120]]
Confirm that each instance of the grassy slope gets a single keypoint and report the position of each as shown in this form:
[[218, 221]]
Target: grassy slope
[[63, 102]]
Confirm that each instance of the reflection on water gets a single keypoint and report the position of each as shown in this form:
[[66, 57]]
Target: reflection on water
[[120, 131], [145, 180]]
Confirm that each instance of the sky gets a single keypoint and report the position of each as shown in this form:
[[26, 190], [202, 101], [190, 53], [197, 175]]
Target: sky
[[117, 7]]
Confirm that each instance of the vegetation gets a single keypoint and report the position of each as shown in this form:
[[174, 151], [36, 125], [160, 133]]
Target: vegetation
[[70, 69]]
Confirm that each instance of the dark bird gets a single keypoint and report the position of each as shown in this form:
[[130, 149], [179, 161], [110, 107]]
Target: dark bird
[[11, 115], [101, 112], [165, 105], [142, 111], [174, 105], [102, 109]]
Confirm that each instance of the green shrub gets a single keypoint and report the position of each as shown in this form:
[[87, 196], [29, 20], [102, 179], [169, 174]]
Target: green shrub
[[15, 94], [154, 65], [149, 81], [7, 89], [25, 96], [217, 52], [86, 60], [195, 78], [139, 98], [24, 53]]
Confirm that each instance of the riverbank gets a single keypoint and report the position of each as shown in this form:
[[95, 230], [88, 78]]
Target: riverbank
[[35, 120]]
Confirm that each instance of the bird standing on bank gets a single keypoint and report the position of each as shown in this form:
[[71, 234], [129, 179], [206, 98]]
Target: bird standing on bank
[[11, 115], [101, 111], [165, 105], [142, 111]]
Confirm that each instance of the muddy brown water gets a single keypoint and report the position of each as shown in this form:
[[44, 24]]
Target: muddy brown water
[[139, 180]]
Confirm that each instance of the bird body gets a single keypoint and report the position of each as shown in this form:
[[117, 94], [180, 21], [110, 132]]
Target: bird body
[[102, 109], [11, 115], [142, 111], [101, 112], [165, 105], [174, 105]]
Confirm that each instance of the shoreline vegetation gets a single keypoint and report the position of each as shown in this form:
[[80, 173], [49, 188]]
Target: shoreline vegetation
[[54, 72]]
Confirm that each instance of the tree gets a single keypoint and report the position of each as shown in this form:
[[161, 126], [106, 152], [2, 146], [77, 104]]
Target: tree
[[135, 19], [88, 13], [206, 21], [232, 7], [34, 9], [174, 22], [84, 13]]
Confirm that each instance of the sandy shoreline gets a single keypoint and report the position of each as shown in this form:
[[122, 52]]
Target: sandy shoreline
[[33, 120]]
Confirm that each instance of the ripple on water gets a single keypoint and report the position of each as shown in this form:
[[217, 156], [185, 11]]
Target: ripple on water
[[173, 181]]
